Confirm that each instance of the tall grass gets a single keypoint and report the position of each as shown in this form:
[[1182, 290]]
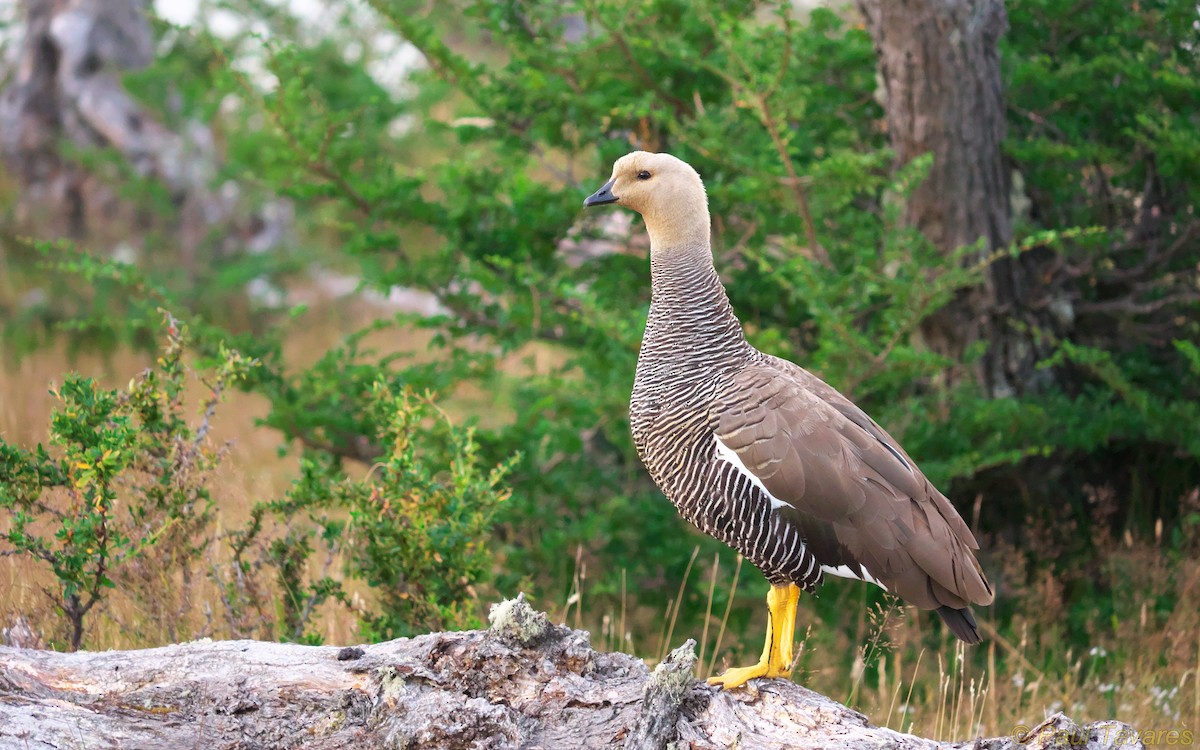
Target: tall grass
[[910, 675]]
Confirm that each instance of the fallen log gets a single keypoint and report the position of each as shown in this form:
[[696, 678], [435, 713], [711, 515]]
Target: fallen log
[[523, 683]]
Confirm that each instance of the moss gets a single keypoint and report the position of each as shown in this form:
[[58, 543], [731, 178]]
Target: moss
[[673, 676], [332, 723], [391, 685], [515, 621]]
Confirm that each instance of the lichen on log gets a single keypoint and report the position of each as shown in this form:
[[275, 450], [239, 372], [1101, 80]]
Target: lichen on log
[[483, 689]]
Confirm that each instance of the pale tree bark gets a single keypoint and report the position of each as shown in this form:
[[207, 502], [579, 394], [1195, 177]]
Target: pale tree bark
[[66, 90], [521, 684], [939, 65]]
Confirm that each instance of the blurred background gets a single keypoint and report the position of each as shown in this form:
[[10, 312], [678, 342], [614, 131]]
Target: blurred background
[[301, 302]]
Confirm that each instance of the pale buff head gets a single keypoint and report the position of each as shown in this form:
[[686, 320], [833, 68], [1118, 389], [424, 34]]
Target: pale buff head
[[668, 194]]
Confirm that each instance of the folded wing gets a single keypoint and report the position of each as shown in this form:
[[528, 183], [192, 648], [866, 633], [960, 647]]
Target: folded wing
[[862, 505]]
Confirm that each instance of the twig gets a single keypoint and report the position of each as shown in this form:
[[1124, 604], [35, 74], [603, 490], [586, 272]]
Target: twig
[[1127, 305], [712, 662], [681, 107], [762, 108]]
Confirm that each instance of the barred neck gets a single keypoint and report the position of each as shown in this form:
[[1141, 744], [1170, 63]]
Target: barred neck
[[690, 315]]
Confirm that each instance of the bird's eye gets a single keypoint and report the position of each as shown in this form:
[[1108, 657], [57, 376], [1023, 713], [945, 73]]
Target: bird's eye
[[643, 175]]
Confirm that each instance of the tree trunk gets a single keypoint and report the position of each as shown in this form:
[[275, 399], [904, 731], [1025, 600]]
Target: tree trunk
[[939, 63], [521, 684], [66, 88]]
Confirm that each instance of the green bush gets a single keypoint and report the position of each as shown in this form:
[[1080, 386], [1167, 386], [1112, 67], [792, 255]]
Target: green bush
[[415, 529], [125, 473], [122, 498]]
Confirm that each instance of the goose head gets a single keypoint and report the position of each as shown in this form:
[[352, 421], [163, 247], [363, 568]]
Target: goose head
[[666, 191]]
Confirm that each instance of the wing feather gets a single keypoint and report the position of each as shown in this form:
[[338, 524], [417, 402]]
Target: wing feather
[[852, 492]]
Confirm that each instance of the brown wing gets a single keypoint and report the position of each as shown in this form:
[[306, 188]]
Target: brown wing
[[855, 495], [849, 410]]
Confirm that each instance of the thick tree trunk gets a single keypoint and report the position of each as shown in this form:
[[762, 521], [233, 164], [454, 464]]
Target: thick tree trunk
[[521, 684], [939, 62], [66, 88]]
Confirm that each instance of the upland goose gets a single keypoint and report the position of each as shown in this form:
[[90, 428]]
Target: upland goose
[[765, 456]]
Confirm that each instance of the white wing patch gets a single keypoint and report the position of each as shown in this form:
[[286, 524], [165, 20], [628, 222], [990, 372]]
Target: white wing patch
[[730, 456], [844, 571]]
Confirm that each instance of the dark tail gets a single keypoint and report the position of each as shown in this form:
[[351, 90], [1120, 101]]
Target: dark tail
[[961, 622]]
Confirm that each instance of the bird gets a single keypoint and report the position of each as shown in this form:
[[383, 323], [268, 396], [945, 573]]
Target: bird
[[764, 455]]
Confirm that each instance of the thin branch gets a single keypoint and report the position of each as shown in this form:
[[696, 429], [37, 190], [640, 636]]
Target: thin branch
[[785, 13], [681, 107], [1037, 119], [762, 108], [1129, 306], [799, 185], [315, 165]]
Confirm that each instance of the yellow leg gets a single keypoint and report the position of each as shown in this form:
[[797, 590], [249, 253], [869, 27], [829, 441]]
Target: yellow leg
[[776, 659]]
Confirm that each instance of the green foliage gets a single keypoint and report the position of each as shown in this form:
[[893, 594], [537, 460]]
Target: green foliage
[[489, 223], [530, 122], [1101, 94], [416, 528], [419, 525], [125, 486], [467, 183], [128, 472]]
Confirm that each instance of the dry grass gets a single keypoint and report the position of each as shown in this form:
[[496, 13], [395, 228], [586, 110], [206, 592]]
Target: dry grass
[[1143, 665], [253, 471], [910, 675]]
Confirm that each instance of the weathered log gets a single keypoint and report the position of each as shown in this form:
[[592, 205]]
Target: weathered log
[[662, 700], [522, 684]]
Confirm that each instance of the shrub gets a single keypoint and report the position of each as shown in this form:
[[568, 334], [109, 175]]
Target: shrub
[[122, 499], [126, 474], [415, 529]]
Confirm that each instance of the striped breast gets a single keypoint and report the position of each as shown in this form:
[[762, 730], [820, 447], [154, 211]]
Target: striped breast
[[673, 432], [738, 510]]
